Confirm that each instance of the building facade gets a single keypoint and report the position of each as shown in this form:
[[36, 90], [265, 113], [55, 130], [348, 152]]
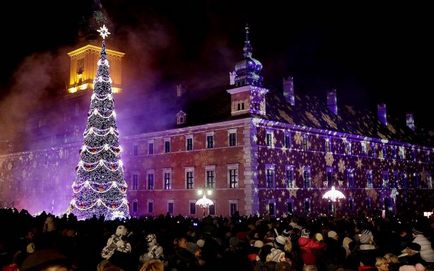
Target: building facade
[[259, 151]]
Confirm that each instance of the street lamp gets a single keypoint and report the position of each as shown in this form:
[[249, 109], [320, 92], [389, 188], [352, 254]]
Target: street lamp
[[333, 195], [204, 202]]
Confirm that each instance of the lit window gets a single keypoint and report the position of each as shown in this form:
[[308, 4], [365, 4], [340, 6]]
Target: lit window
[[135, 182], [170, 207], [350, 177], [385, 178], [327, 145], [347, 147], [233, 207], [269, 139], [329, 177], [269, 176], [189, 178], [290, 182], [307, 205], [167, 145], [210, 177], [150, 206], [307, 177], [364, 145], [232, 134], [369, 180], [189, 143], [135, 206], [211, 209], [305, 143], [167, 177], [210, 140], [288, 142], [233, 176], [192, 207], [150, 180], [151, 147]]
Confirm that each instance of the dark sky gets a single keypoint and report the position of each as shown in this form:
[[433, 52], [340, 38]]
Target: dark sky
[[371, 53]]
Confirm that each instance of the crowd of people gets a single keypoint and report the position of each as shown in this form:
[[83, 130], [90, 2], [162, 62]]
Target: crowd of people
[[177, 243]]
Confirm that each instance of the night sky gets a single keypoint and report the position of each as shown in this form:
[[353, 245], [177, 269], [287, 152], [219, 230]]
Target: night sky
[[369, 53]]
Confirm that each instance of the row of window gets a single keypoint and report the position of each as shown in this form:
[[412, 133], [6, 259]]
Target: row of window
[[210, 178], [193, 209], [371, 149], [398, 180], [209, 143]]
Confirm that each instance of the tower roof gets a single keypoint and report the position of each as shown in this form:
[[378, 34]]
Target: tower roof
[[247, 71]]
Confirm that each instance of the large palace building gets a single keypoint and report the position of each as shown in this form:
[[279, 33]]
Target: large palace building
[[258, 150]]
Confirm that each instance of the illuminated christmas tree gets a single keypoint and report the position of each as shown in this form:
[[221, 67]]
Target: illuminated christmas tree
[[100, 188]]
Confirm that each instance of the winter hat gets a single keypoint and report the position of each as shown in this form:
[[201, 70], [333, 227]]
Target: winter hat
[[280, 240], [200, 243], [43, 258], [346, 242], [276, 255], [258, 244], [332, 234], [30, 248], [366, 237], [319, 237], [367, 240], [305, 232]]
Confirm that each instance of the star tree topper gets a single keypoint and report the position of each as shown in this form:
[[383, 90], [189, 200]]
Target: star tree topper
[[103, 32]]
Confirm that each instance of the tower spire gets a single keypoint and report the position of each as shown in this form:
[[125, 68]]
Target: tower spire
[[247, 71], [247, 46]]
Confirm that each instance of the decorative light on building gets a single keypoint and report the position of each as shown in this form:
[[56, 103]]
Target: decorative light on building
[[204, 202], [333, 195]]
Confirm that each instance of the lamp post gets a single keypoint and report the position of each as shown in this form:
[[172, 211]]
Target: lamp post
[[333, 195], [204, 202]]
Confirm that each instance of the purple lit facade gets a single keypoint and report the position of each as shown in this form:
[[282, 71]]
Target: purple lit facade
[[258, 150]]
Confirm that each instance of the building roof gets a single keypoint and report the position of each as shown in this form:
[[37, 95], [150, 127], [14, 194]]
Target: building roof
[[214, 105]]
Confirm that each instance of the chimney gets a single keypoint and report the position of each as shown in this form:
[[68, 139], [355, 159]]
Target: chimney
[[382, 114], [232, 78], [288, 90], [179, 90], [332, 102], [409, 120]]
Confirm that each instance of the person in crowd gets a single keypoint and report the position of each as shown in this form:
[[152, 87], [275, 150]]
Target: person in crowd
[[367, 247], [307, 250], [393, 261], [152, 265], [182, 259], [381, 264], [334, 255], [426, 249], [411, 255], [46, 260], [118, 249], [154, 250]]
